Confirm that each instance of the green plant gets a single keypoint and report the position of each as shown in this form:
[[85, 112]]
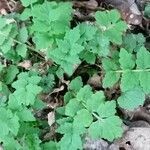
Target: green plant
[[133, 80], [44, 35], [147, 11], [50, 22], [17, 113], [87, 112], [133, 42]]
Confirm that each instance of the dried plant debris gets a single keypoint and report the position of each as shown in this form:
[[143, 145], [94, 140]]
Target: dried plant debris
[[7, 6], [135, 139], [129, 10]]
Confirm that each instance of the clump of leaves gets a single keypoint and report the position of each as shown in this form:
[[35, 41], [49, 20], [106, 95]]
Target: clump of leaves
[[17, 113], [87, 112], [133, 42], [87, 42], [10, 36], [109, 23], [134, 73], [50, 22]]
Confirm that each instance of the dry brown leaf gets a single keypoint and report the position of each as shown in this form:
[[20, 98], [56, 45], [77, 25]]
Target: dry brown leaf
[[25, 64], [91, 4], [95, 81], [3, 12], [129, 10], [7, 6], [51, 118], [57, 90], [3, 5]]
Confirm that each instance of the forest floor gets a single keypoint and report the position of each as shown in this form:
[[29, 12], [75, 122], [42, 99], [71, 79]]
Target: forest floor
[[136, 122]]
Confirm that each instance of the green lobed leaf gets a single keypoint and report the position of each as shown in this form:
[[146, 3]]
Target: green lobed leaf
[[147, 10], [26, 88], [129, 80], [132, 99], [107, 109], [11, 73], [31, 141], [109, 65], [67, 53], [143, 57], [126, 60], [2, 22], [23, 35], [10, 143], [21, 49], [110, 79], [26, 3], [9, 123], [109, 23], [4, 33], [84, 93], [95, 100], [83, 118], [87, 31], [72, 107], [49, 145], [76, 84], [50, 22], [133, 42], [144, 78], [71, 141], [89, 57], [109, 128], [65, 128], [25, 115]]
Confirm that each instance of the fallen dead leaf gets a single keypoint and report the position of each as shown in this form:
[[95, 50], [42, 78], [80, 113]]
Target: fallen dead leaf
[[3, 12], [128, 9], [3, 5], [25, 64], [51, 118], [91, 4], [95, 81], [56, 90]]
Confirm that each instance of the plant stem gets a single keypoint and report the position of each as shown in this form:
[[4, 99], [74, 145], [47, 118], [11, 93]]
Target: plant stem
[[135, 70]]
